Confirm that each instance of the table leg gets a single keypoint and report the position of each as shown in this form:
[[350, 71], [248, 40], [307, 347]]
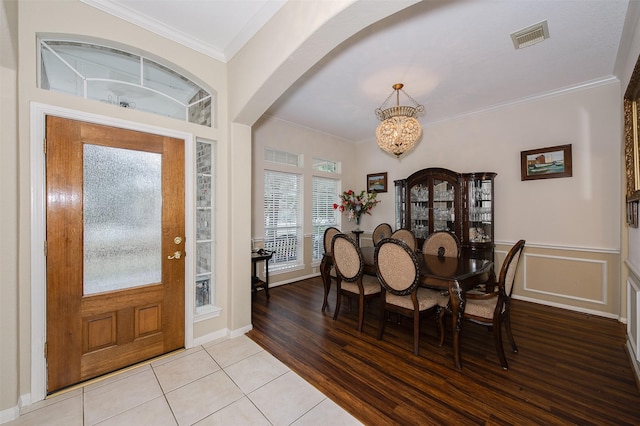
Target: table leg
[[255, 274], [325, 266], [457, 311], [266, 278]]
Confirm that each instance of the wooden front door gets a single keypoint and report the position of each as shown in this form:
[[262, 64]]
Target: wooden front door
[[115, 244]]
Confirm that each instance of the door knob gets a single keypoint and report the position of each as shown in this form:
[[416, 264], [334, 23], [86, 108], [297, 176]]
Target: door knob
[[176, 255]]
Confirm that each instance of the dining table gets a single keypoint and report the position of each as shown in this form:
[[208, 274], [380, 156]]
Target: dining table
[[455, 275]]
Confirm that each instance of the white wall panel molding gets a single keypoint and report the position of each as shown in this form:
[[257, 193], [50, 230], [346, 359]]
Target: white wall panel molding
[[565, 248], [633, 269], [633, 308], [568, 307], [578, 263]]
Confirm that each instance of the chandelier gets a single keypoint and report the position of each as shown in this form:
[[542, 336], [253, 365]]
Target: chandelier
[[399, 130]]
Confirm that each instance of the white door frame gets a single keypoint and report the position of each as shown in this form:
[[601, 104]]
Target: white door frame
[[38, 112]]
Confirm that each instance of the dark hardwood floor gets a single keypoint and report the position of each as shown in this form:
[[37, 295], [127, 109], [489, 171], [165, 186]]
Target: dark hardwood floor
[[571, 368]]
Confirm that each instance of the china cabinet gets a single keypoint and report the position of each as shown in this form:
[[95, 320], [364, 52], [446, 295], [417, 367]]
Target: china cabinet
[[438, 199]]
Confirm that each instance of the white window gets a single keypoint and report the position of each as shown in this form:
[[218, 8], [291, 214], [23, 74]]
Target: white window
[[204, 285], [121, 78], [283, 219], [323, 214], [327, 166], [282, 157]]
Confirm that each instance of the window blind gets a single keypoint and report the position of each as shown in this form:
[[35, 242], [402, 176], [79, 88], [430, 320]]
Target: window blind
[[283, 218], [325, 194]]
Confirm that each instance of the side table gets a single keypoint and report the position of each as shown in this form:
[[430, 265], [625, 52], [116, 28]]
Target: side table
[[256, 282], [357, 233]]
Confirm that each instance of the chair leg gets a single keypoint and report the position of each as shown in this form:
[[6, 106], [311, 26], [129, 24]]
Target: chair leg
[[360, 312], [338, 300], [441, 314], [416, 333], [383, 320], [497, 337], [507, 327]]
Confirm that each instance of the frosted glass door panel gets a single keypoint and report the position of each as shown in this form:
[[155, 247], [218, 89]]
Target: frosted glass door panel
[[122, 218]]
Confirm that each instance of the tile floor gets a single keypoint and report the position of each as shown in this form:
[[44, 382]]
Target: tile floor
[[228, 382]]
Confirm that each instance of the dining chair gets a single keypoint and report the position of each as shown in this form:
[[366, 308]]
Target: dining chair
[[351, 280], [407, 236], [493, 309], [399, 274], [328, 237], [380, 232], [331, 274], [442, 243]]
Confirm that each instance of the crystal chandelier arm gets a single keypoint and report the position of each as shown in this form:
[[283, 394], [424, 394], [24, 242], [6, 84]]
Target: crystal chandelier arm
[[397, 88], [419, 108], [381, 107]]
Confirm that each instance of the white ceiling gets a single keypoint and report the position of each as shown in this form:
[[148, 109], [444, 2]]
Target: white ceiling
[[453, 56]]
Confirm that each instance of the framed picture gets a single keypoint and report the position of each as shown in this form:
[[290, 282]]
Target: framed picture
[[377, 182], [632, 213], [546, 163]]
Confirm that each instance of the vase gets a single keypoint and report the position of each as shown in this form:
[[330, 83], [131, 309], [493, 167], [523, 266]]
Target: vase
[[357, 223]]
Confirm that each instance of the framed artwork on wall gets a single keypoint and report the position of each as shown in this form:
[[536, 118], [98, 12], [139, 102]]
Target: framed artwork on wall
[[632, 213], [377, 182], [546, 163]]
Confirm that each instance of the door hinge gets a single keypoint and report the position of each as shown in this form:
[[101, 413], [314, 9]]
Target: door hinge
[[46, 248], [44, 146], [46, 347]]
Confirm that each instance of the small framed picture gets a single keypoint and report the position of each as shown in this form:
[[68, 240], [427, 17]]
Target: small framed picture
[[377, 182], [632, 213], [546, 163]]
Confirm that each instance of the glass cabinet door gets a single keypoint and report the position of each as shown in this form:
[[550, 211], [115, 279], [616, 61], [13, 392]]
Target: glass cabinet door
[[444, 215], [419, 200], [437, 199], [401, 202], [480, 209]]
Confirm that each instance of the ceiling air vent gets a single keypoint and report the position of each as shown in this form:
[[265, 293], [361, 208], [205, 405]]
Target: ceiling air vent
[[531, 35]]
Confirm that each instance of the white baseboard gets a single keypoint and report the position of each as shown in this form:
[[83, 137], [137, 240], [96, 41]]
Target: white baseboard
[[292, 280], [568, 307], [9, 414], [225, 333], [207, 338], [634, 362], [240, 331]]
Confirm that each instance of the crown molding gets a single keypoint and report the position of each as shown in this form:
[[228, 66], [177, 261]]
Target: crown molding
[[157, 27]]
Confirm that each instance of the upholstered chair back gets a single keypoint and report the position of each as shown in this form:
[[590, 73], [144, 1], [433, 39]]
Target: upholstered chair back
[[397, 267], [407, 236], [442, 243], [381, 232]]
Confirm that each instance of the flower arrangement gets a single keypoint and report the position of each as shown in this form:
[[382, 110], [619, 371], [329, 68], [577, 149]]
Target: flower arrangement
[[356, 204]]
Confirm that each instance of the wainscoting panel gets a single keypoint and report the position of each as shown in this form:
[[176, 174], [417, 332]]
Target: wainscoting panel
[[579, 279], [633, 323], [567, 277]]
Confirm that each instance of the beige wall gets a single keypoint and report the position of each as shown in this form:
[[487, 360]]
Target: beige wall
[[630, 274], [9, 361], [575, 218], [571, 225], [284, 136], [76, 18], [257, 78], [468, 143]]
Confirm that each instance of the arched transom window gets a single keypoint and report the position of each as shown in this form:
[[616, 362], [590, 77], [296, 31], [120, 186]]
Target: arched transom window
[[121, 78]]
